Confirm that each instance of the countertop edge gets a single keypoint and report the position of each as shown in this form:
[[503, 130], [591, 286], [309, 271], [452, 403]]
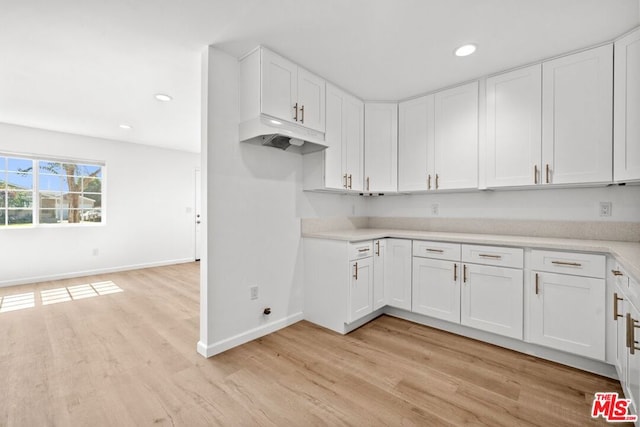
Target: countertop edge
[[626, 253]]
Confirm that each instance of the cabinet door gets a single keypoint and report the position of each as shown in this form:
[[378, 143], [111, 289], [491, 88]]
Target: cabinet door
[[492, 299], [626, 131], [398, 273], [311, 100], [415, 134], [456, 137], [577, 96], [567, 313], [361, 289], [353, 137], [336, 151], [514, 120], [379, 274], [381, 147], [436, 289], [279, 86]]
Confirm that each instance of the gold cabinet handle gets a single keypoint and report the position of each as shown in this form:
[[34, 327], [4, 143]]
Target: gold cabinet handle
[[490, 256], [363, 250], [440, 251], [349, 182], [535, 174], [632, 325], [344, 177], [570, 264], [547, 173], [295, 108], [464, 273], [437, 178], [455, 272], [378, 247], [616, 298], [302, 111], [537, 282], [617, 273], [628, 330], [355, 276], [429, 182], [367, 183]]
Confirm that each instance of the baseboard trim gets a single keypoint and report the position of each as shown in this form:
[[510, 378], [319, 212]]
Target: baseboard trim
[[250, 335], [73, 274]]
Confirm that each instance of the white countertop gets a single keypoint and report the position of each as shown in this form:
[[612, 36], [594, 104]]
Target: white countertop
[[626, 253]]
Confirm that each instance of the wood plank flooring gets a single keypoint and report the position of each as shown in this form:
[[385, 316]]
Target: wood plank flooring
[[129, 359]]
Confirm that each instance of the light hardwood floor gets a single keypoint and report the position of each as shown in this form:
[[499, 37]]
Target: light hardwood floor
[[129, 359]]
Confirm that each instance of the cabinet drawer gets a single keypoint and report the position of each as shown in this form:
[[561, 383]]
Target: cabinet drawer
[[493, 255], [437, 250], [577, 264], [360, 250]]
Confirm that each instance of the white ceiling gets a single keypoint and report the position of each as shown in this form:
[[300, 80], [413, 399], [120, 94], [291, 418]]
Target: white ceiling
[[87, 66]]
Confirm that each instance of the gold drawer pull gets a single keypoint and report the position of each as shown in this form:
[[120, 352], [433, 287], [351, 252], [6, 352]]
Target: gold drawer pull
[[440, 251], [616, 298], [429, 182], [632, 325], [535, 174], [537, 282], [490, 256], [570, 264], [355, 276], [295, 108], [455, 272], [617, 273], [378, 247], [363, 250], [464, 273]]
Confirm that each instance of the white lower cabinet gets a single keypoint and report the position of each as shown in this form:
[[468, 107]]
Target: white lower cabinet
[[492, 299], [436, 288], [397, 282], [361, 289], [567, 313]]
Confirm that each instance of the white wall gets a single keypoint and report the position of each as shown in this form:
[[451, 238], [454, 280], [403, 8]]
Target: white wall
[[148, 193], [577, 204], [253, 210]]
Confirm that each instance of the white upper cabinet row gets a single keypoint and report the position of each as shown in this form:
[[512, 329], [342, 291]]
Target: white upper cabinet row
[[554, 123]]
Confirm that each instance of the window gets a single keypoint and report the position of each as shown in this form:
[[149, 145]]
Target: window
[[16, 191], [69, 192], [36, 191]]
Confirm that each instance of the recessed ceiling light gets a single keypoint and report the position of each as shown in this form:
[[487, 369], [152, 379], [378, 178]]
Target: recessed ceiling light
[[465, 50], [126, 126], [163, 97]]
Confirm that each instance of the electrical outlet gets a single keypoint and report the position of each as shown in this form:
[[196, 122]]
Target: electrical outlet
[[254, 292], [605, 208], [435, 209]]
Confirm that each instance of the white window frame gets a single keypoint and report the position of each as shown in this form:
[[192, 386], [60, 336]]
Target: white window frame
[[35, 205]]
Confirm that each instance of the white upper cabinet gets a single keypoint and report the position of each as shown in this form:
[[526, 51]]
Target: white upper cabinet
[[311, 100], [514, 121], [415, 134], [626, 132], [340, 166], [291, 93], [456, 138], [381, 147], [577, 97]]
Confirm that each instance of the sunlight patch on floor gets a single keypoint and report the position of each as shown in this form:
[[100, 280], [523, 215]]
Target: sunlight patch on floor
[[58, 295], [17, 302]]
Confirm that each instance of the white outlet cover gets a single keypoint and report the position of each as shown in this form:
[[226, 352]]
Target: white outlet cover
[[605, 208]]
